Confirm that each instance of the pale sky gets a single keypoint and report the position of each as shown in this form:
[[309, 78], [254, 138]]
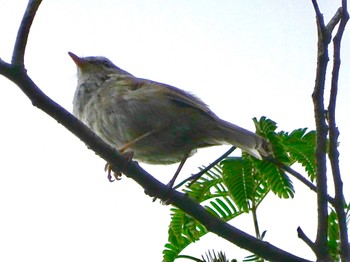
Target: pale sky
[[245, 59]]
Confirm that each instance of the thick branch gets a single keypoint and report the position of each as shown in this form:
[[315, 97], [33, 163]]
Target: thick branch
[[333, 137], [23, 32], [321, 248]]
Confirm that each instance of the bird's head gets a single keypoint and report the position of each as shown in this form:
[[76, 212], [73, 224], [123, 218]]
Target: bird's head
[[95, 65]]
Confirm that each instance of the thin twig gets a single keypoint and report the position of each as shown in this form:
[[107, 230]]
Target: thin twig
[[305, 238], [195, 177], [334, 134], [23, 32]]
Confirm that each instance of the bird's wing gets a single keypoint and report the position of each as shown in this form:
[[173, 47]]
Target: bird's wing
[[174, 94]]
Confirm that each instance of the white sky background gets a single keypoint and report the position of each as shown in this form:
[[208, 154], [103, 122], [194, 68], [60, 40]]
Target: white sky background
[[244, 58]]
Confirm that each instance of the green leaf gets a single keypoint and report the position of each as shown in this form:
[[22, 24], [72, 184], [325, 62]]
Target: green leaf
[[333, 236], [183, 230], [215, 257], [252, 258], [201, 190], [264, 126], [301, 148], [239, 184], [239, 180], [211, 191], [276, 180]]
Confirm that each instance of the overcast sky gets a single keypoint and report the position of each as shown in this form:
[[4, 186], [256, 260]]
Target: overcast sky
[[245, 59]]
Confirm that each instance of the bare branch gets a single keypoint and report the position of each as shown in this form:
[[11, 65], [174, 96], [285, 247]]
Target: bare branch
[[5, 68], [335, 20], [340, 202], [319, 17], [305, 238], [23, 32], [321, 249]]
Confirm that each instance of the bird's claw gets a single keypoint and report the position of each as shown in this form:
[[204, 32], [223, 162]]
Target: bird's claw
[[111, 173], [118, 174]]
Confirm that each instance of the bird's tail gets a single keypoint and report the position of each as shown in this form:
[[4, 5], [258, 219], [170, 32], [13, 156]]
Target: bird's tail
[[248, 141]]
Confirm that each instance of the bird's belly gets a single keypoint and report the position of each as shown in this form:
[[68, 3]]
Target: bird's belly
[[162, 145]]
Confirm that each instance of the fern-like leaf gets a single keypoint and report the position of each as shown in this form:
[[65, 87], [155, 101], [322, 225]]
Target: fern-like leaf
[[211, 191], [301, 147], [239, 184], [267, 129], [239, 180], [333, 236], [215, 257], [276, 180]]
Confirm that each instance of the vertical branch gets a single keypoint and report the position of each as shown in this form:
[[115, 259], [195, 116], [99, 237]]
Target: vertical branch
[[23, 32], [333, 136], [321, 138]]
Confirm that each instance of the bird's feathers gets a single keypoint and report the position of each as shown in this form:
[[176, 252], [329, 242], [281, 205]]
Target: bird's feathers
[[122, 108]]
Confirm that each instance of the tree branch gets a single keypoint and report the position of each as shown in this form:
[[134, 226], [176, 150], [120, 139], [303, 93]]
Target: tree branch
[[335, 20], [305, 238], [340, 202], [23, 32], [321, 247]]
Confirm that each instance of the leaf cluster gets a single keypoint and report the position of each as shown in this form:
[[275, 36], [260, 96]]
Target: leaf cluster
[[239, 184]]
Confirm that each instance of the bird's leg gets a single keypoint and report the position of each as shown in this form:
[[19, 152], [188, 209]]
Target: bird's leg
[[127, 155], [172, 181], [133, 142]]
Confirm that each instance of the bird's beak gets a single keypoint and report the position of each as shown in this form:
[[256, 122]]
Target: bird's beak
[[77, 60]]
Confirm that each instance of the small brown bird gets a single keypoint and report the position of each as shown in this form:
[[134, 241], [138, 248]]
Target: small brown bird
[[159, 123]]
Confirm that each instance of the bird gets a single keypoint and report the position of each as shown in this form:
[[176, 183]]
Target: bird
[[153, 122]]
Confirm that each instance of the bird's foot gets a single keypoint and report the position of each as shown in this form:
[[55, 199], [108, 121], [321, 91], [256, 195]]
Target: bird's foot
[[111, 174], [117, 174], [167, 198]]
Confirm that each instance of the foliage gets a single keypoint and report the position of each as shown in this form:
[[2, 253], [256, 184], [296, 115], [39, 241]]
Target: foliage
[[333, 236], [213, 257], [239, 184], [183, 229], [333, 233]]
